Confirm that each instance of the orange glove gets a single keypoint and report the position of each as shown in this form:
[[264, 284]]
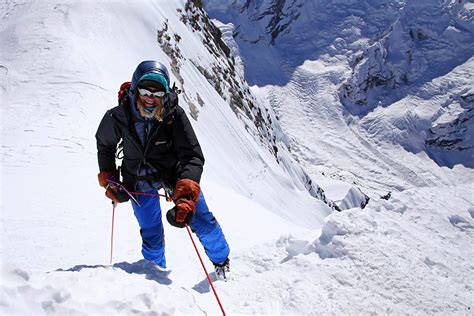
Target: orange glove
[[113, 191], [186, 194], [184, 211], [188, 189]]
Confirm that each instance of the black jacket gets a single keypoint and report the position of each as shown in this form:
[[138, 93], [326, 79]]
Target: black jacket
[[172, 147]]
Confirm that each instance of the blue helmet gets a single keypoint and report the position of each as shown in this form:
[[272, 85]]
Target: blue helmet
[[150, 69]]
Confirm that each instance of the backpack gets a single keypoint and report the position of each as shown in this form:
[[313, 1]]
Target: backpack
[[123, 88]]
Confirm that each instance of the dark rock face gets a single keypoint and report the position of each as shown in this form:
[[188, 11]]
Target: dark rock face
[[452, 142]]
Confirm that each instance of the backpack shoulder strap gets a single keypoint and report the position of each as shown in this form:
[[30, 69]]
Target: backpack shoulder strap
[[171, 103]]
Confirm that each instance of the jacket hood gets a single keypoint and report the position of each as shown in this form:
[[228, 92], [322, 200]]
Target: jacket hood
[[149, 67]]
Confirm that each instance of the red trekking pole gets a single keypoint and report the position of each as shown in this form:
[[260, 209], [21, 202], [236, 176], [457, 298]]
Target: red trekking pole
[[205, 270], [112, 232]]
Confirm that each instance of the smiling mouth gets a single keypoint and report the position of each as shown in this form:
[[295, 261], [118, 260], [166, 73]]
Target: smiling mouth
[[149, 103]]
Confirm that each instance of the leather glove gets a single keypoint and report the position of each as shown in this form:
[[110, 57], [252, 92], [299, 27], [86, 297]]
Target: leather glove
[[184, 211], [113, 191], [188, 189], [186, 194], [178, 217]]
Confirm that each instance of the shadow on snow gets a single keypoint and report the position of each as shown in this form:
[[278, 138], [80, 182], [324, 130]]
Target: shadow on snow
[[144, 267]]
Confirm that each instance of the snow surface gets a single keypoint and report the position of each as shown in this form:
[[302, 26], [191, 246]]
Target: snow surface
[[61, 63]]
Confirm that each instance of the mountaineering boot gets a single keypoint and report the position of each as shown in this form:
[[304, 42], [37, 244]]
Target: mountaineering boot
[[222, 270]]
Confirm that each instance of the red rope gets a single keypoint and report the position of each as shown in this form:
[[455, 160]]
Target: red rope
[[204, 267], [143, 193], [112, 233]]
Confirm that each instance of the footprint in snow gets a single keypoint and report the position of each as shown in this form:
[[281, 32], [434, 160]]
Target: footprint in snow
[[460, 222]]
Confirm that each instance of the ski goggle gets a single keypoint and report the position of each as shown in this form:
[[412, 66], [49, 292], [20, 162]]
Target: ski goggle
[[149, 94]]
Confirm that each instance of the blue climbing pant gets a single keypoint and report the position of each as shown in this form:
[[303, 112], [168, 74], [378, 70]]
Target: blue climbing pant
[[204, 225]]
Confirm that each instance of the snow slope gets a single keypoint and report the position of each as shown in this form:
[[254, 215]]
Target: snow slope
[[61, 63], [62, 74], [399, 256]]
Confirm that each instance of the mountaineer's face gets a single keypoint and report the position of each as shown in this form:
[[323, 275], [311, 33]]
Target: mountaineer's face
[[150, 96]]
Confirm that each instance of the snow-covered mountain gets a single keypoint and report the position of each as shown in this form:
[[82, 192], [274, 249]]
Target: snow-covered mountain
[[224, 75], [269, 149], [291, 32], [381, 73], [413, 50]]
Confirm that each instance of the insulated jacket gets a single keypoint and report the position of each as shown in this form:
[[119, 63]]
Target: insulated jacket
[[171, 147]]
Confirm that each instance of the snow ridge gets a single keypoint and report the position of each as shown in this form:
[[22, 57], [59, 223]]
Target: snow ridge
[[223, 74]]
